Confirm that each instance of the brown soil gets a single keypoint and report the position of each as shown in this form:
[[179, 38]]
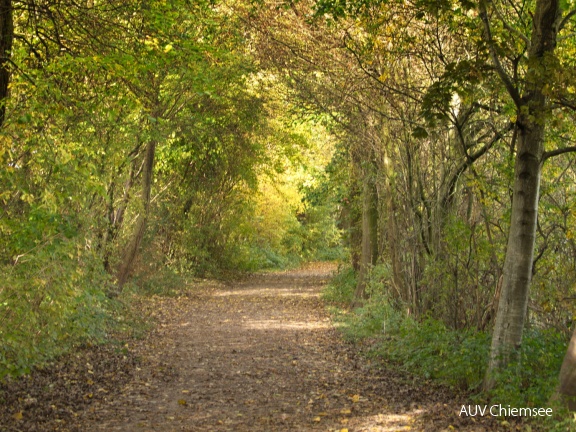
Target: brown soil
[[260, 355]]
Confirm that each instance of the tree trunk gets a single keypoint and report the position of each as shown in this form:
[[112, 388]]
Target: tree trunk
[[141, 222], [369, 254], [532, 111], [6, 38], [116, 217], [566, 391]]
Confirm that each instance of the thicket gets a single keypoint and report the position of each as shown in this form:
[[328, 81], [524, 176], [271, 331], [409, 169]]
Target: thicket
[[428, 347]]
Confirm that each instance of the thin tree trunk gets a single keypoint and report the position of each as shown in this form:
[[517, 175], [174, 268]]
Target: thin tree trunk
[[116, 217], [532, 108], [134, 244], [355, 212], [6, 38], [369, 237]]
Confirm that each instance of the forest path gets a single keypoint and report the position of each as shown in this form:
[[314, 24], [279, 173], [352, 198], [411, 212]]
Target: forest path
[[262, 355], [259, 355]]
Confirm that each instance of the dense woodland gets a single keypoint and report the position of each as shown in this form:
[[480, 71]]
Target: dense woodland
[[427, 145]]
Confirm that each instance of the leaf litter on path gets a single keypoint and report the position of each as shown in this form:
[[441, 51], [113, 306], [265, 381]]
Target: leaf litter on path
[[257, 355]]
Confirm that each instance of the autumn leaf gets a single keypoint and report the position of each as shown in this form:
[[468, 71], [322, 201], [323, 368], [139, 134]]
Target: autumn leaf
[[18, 416], [182, 402]]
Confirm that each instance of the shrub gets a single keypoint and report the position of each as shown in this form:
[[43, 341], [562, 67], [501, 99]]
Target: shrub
[[427, 347]]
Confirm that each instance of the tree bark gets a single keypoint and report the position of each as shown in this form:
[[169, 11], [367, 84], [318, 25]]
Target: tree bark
[[566, 391], [134, 244], [531, 120], [6, 39], [369, 255]]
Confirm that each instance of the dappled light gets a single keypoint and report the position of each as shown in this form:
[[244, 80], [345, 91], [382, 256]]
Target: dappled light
[[388, 422], [285, 325], [265, 291]]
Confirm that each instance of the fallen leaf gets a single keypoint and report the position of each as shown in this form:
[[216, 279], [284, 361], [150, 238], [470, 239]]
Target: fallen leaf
[[18, 416], [346, 411], [316, 419], [182, 402], [355, 398]]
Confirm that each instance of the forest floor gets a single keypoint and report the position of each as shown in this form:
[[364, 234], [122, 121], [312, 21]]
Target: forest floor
[[257, 355]]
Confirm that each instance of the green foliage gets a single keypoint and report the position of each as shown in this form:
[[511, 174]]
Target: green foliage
[[159, 280], [459, 280], [340, 290], [50, 300], [428, 348], [533, 378]]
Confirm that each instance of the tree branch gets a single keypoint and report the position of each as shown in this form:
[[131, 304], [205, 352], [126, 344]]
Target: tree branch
[[557, 152], [512, 29], [566, 19], [513, 91]]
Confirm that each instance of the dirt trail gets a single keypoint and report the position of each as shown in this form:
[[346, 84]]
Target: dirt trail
[[260, 355]]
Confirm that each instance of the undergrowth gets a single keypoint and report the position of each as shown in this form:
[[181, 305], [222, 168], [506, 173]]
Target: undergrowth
[[458, 358], [62, 306]]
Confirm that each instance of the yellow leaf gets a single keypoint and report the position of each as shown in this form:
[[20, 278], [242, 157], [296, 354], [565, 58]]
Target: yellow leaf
[[345, 411], [355, 398], [18, 416], [344, 430], [90, 382], [316, 419], [182, 402]]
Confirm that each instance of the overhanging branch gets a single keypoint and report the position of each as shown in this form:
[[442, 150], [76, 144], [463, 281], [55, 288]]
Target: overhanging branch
[[557, 152]]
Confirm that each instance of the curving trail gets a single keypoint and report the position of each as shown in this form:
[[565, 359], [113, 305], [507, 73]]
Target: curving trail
[[260, 355]]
